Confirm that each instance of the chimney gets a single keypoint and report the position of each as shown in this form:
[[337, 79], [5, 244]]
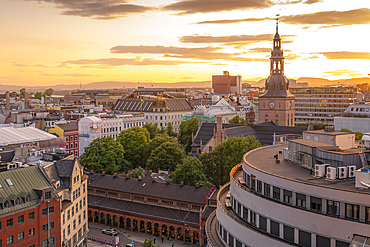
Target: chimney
[[92, 171], [26, 100], [219, 130], [7, 101], [197, 185], [168, 172], [181, 183], [115, 174], [159, 169], [139, 178], [127, 176], [103, 173]]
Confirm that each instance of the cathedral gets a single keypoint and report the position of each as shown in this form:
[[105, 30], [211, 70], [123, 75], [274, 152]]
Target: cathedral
[[276, 104]]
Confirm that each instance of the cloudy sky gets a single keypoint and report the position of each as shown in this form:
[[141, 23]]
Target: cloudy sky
[[48, 42]]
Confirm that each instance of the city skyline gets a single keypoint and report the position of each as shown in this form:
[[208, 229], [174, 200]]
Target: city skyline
[[58, 42]]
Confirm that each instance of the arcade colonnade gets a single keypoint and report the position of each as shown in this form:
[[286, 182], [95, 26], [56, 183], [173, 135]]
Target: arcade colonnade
[[150, 226]]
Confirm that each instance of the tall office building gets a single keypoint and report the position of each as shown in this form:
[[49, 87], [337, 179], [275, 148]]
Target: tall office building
[[226, 84], [277, 103]]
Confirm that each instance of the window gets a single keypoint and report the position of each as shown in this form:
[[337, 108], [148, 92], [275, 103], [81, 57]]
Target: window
[[68, 214], [276, 193], [9, 223], [51, 210], [44, 211], [76, 207], [248, 180], [20, 236], [21, 219], [316, 204], [305, 238], [274, 228], [245, 214], [352, 211], [79, 219], [267, 190], [253, 182], [231, 240], [64, 218], [73, 211], [31, 216], [367, 215], [48, 195], [9, 240], [253, 218], [263, 223], [44, 243], [301, 200], [259, 186], [74, 224], [225, 235], [332, 208], [71, 138], [322, 241], [289, 233], [84, 214], [51, 225], [45, 227], [69, 229], [31, 232], [76, 145], [80, 204], [84, 201], [287, 196], [75, 137]]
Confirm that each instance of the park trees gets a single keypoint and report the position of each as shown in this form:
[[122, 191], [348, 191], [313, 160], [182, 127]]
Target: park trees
[[167, 156], [134, 142], [190, 172], [188, 129], [137, 172], [105, 154], [237, 120]]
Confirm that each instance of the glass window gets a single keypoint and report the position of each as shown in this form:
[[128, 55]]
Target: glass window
[[45, 227], [20, 219], [253, 182], [276, 193], [51, 210], [231, 240], [274, 228], [316, 204], [287, 196], [300, 200], [31, 232], [322, 241], [289, 233], [20, 236], [69, 229], [48, 195], [305, 238], [245, 213], [259, 186], [253, 218], [31, 216], [367, 214], [352, 211], [68, 214], [263, 223], [44, 211], [238, 243], [9, 223], [9, 240], [267, 190], [332, 208]]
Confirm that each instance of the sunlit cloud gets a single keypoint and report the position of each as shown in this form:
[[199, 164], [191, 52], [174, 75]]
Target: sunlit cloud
[[345, 55], [98, 9], [349, 73]]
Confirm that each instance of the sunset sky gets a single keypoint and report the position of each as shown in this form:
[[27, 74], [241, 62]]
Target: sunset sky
[[49, 42]]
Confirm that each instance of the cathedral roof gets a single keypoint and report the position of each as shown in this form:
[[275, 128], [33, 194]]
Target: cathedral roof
[[277, 85]]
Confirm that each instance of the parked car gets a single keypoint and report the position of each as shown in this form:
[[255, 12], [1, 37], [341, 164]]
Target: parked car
[[128, 245], [110, 231]]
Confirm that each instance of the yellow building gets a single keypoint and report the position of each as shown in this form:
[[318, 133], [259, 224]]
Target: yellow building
[[71, 184]]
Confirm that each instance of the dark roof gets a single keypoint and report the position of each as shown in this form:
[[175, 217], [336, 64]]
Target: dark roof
[[7, 154], [208, 212], [65, 167], [142, 209], [207, 130], [136, 105], [265, 131], [146, 187], [69, 126], [203, 101]]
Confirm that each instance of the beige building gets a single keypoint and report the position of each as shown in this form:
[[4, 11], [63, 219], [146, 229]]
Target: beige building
[[71, 184], [341, 139]]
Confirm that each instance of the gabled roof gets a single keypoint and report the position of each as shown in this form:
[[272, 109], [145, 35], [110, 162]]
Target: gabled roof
[[65, 167], [24, 181], [6, 154], [136, 105], [146, 187]]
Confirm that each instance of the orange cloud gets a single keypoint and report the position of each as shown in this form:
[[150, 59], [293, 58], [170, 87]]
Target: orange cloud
[[345, 55], [350, 73]]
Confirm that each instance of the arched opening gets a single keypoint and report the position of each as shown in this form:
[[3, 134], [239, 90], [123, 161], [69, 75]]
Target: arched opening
[[172, 232], [195, 237], [128, 224], [142, 226], [89, 216], [109, 220], [96, 217], [134, 226], [102, 218], [187, 235], [156, 230], [115, 221], [149, 228], [179, 234], [121, 222], [164, 230]]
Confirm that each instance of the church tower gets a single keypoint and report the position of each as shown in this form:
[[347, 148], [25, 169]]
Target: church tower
[[277, 103]]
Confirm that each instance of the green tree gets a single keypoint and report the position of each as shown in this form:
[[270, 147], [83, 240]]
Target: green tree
[[237, 120], [152, 129], [22, 93], [169, 130], [162, 130], [345, 130], [105, 154], [38, 95], [134, 142], [137, 172], [49, 92], [14, 94], [156, 142], [190, 172], [358, 135], [218, 163], [167, 156], [188, 129], [148, 243]]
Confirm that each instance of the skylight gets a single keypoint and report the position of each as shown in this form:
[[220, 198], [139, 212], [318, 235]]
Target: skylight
[[9, 181]]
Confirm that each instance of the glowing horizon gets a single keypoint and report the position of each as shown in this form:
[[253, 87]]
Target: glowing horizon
[[172, 41]]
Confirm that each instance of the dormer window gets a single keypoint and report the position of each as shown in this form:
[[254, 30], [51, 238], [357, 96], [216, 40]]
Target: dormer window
[[6, 204], [17, 201], [28, 198]]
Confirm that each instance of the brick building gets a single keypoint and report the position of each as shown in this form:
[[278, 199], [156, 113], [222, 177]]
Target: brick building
[[70, 132], [29, 209], [147, 206], [226, 84]]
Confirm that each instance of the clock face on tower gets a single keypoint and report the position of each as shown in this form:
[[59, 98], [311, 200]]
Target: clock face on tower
[[272, 104]]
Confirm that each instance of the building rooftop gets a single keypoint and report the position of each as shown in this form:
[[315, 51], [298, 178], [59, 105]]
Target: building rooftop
[[69, 126], [263, 160], [332, 133], [11, 135]]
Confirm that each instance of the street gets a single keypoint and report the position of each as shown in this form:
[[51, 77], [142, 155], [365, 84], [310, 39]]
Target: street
[[96, 231]]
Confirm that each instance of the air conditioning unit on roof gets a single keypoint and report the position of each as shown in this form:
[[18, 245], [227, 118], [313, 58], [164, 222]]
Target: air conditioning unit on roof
[[331, 173], [320, 170], [351, 171], [342, 172]]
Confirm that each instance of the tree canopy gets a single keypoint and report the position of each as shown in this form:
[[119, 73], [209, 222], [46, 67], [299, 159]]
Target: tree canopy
[[218, 163], [167, 156], [104, 154], [137, 172], [188, 129], [156, 142], [190, 172], [148, 243], [49, 92], [152, 129], [237, 120], [22, 93], [134, 142]]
